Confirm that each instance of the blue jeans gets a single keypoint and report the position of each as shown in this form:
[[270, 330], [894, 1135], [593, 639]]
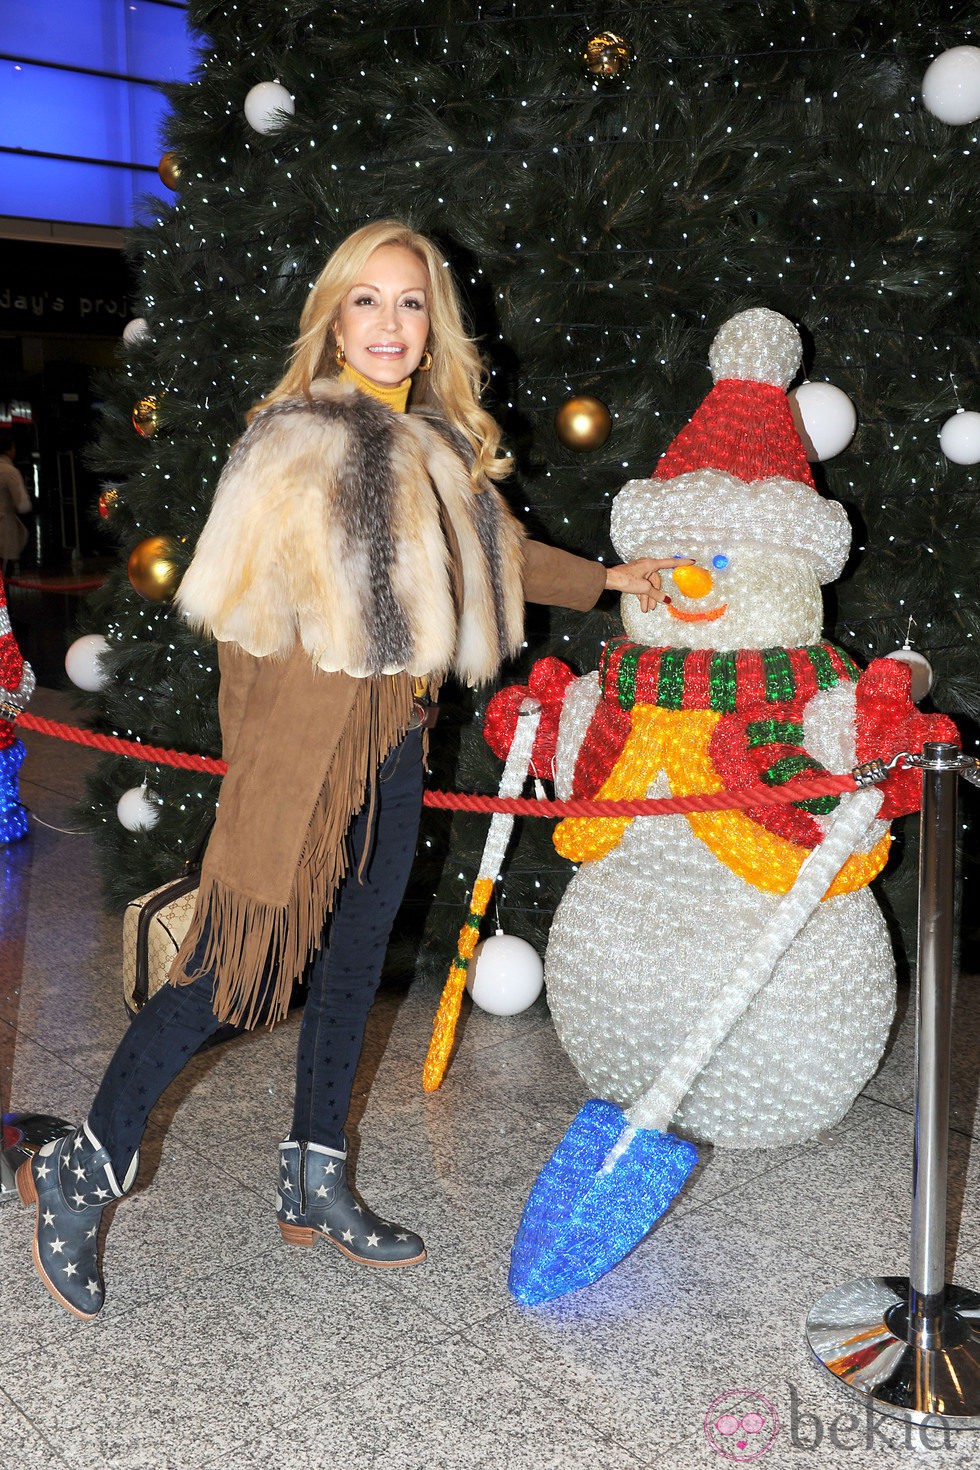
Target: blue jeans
[[342, 981]]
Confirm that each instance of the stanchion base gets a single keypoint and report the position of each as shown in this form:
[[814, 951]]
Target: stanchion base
[[858, 1333], [23, 1135]]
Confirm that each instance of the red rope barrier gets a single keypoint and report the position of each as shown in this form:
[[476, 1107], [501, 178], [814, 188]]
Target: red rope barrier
[[803, 788], [114, 745], [66, 584]]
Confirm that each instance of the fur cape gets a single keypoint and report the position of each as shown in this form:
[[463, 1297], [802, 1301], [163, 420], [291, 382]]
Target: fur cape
[[325, 531]]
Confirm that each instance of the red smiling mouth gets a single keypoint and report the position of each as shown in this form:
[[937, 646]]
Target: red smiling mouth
[[697, 617]]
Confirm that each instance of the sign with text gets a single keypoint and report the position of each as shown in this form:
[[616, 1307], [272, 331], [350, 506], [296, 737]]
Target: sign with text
[[64, 289]]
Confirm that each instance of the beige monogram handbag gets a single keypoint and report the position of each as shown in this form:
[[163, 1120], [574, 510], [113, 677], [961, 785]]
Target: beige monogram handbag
[[153, 928]]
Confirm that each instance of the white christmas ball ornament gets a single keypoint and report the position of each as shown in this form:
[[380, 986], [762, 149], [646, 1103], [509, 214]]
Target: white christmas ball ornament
[[83, 662], [505, 975], [265, 104], [959, 437], [136, 809], [951, 85], [825, 419], [919, 667], [136, 331]]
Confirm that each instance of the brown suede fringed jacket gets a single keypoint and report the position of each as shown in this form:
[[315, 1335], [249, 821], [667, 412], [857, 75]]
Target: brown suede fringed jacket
[[346, 552]]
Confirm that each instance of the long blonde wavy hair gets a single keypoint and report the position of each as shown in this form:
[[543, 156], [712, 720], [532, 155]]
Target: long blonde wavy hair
[[456, 377]]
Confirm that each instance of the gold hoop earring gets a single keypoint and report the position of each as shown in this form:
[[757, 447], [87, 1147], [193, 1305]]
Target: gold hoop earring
[[426, 361], [339, 357]]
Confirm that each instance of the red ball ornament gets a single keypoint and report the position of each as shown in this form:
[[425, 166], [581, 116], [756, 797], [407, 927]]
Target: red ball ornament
[[108, 500]]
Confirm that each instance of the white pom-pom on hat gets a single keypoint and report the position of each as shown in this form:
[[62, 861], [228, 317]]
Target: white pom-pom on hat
[[757, 346]]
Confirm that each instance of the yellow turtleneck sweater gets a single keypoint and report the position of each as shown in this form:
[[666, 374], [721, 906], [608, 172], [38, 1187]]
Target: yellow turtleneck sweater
[[395, 397]]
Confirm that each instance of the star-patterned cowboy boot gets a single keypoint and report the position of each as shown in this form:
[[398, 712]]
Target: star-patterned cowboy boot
[[315, 1199], [71, 1180]]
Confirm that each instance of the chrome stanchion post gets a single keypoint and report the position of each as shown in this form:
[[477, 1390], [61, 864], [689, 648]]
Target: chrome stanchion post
[[937, 853], [911, 1346]]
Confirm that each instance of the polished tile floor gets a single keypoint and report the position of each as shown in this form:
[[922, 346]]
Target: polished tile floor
[[219, 1346]]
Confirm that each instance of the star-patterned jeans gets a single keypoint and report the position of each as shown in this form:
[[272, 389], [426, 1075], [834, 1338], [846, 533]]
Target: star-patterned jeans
[[342, 981]]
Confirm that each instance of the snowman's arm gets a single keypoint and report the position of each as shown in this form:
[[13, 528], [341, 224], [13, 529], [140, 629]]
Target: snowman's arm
[[830, 727], [581, 699], [830, 737]]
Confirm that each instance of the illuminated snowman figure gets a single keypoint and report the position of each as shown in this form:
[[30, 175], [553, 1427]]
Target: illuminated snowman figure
[[728, 684]]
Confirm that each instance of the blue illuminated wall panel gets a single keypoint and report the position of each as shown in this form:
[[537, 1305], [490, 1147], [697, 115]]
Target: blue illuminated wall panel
[[138, 38], [80, 114]]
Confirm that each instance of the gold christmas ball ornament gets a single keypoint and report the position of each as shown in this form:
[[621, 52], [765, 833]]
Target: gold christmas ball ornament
[[583, 423], [169, 170], [153, 568], [108, 500], [606, 56], [146, 415]]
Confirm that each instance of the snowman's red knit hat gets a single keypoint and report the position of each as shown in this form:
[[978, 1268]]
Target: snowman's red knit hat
[[745, 428], [738, 471]]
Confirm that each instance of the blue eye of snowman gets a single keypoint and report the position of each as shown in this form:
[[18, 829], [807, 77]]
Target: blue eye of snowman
[[719, 562]]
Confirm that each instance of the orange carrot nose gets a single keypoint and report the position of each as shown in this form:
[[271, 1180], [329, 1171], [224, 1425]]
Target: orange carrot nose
[[693, 581]]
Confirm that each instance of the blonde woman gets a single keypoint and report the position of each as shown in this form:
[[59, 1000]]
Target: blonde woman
[[356, 553]]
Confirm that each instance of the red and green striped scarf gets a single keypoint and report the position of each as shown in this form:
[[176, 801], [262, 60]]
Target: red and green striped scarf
[[704, 678], [760, 695]]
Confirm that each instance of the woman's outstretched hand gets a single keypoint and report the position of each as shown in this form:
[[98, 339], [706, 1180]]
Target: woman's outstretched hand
[[642, 578]]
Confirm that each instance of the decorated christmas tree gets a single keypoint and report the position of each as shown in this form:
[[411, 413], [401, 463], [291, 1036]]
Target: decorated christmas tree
[[607, 196]]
